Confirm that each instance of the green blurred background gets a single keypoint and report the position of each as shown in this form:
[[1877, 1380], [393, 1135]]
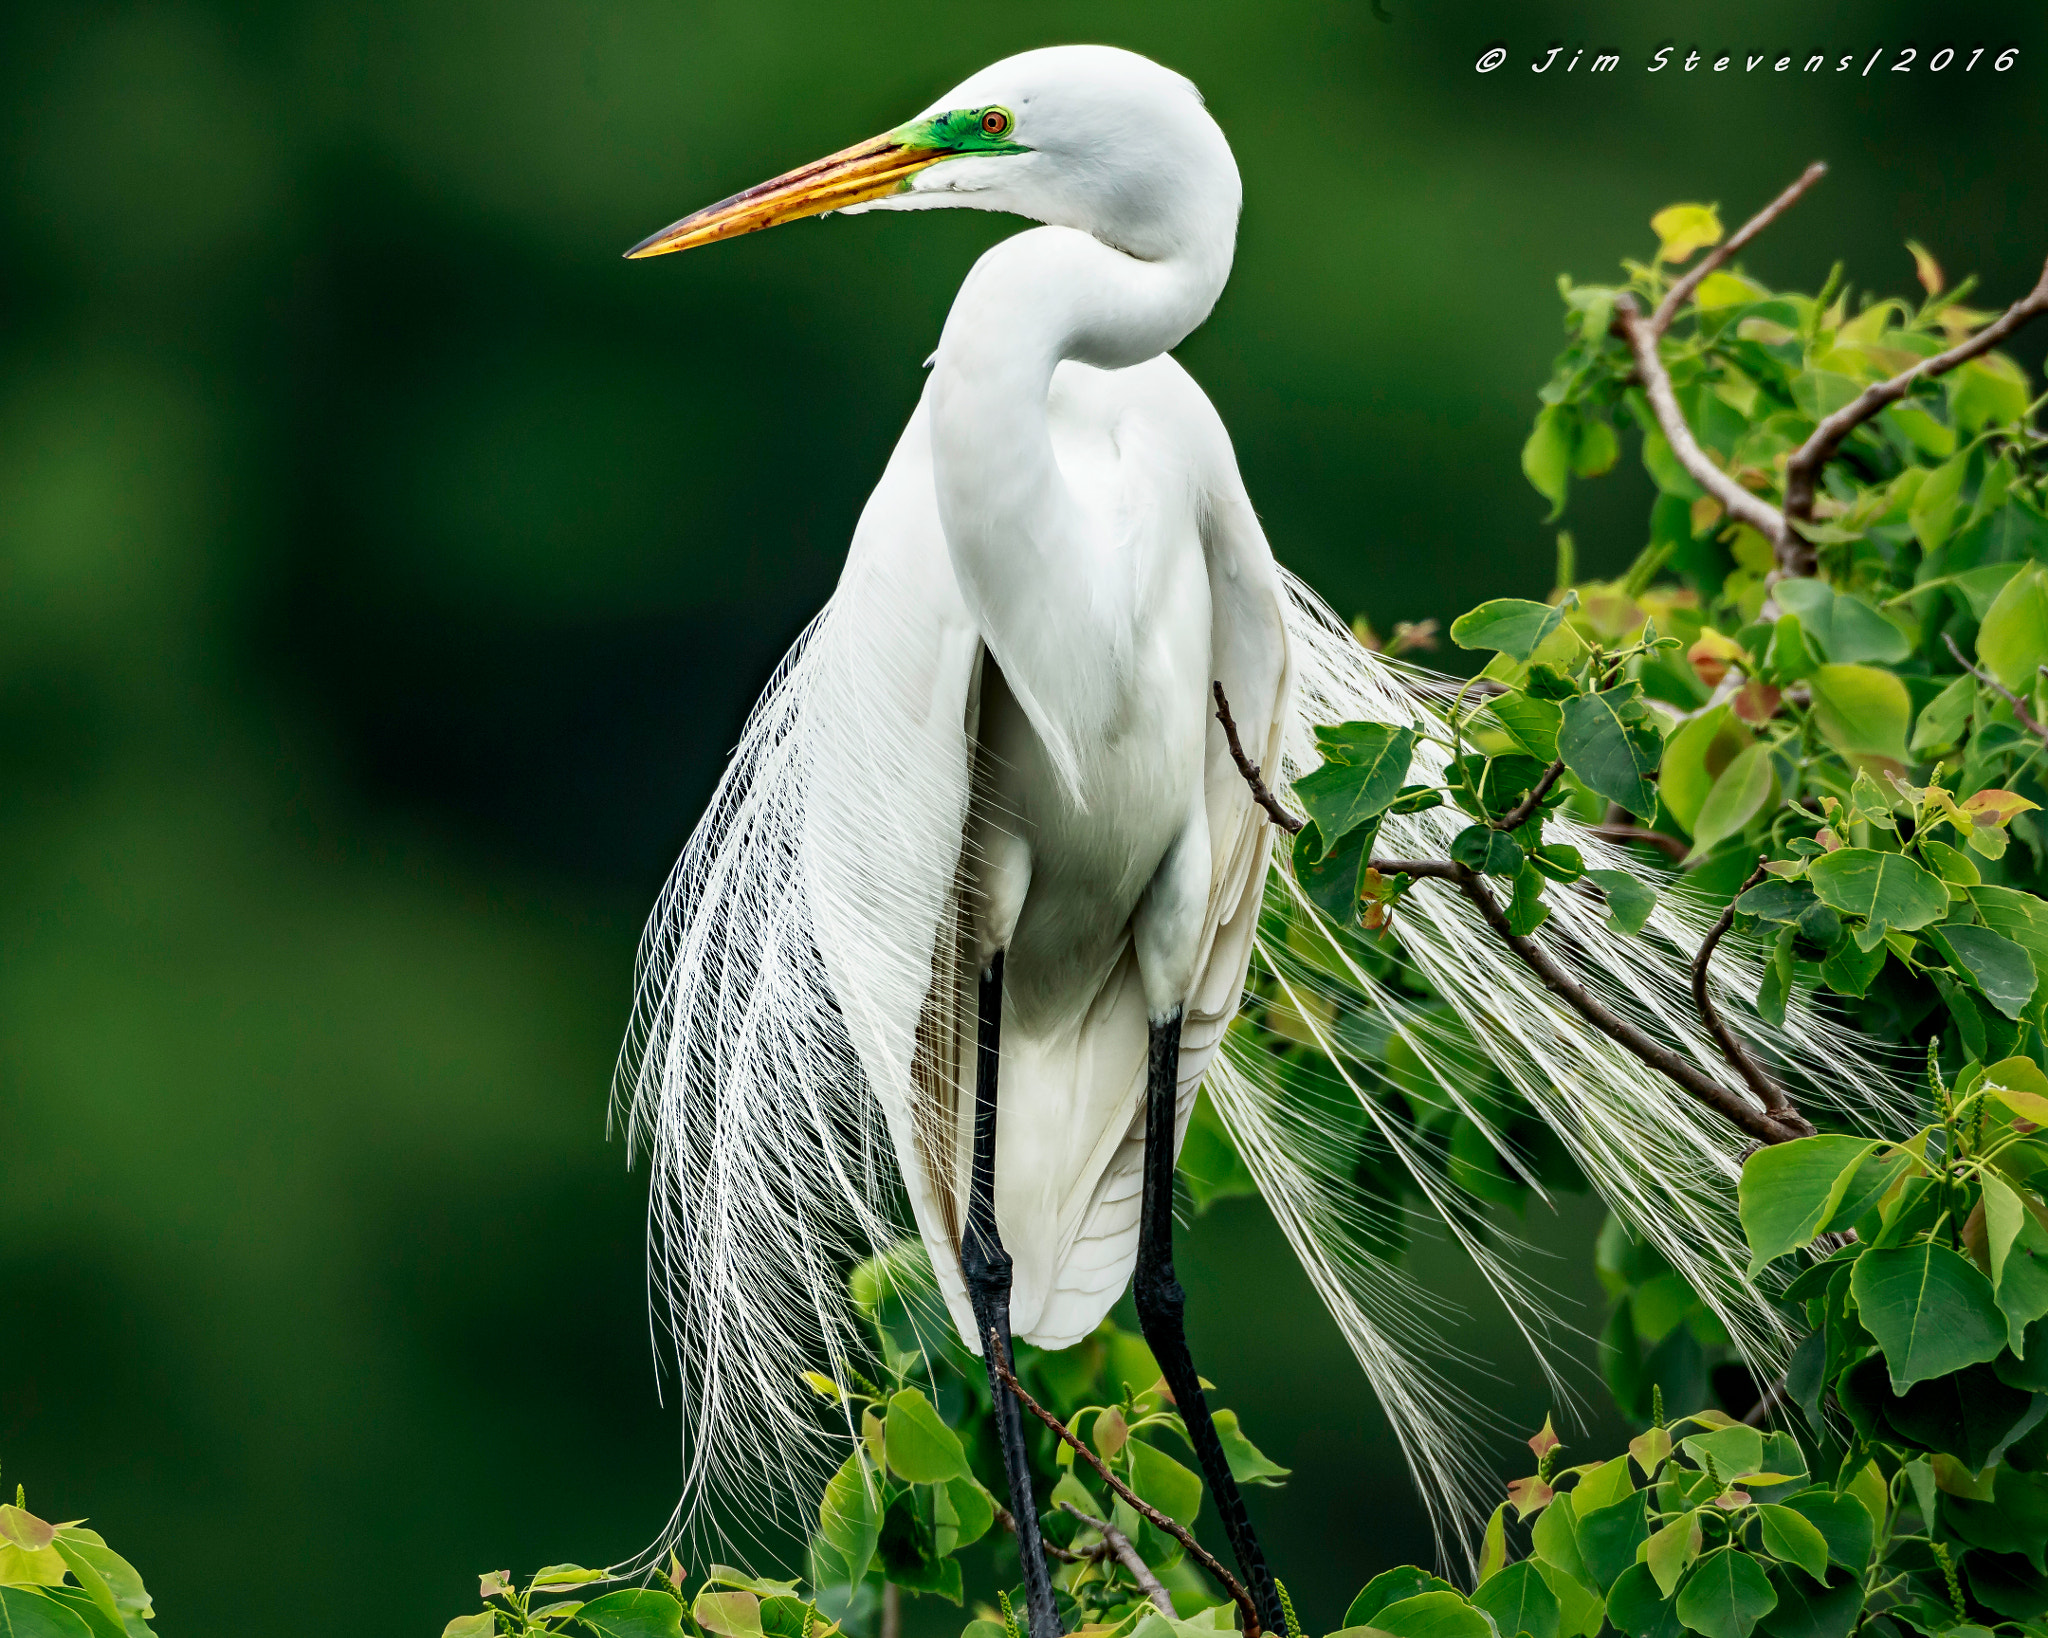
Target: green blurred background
[[385, 567]]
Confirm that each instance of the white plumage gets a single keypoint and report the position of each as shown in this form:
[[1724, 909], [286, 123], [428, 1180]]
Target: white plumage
[[998, 736]]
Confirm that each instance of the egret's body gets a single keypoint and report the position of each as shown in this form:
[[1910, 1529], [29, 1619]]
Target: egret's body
[[974, 904], [1105, 840]]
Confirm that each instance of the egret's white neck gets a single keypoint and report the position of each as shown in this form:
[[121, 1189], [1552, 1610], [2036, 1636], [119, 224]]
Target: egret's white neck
[[1040, 574]]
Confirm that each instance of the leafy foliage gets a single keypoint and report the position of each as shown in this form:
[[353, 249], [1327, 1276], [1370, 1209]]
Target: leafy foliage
[[64, 1581]]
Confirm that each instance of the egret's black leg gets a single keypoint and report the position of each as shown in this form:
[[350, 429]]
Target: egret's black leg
[[1161, 1303], [986, 1267]]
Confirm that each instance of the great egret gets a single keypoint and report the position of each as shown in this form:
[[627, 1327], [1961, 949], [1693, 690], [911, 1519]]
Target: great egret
[[974, 904]]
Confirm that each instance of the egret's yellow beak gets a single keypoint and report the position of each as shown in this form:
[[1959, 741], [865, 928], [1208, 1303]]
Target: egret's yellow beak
[[870, 170]]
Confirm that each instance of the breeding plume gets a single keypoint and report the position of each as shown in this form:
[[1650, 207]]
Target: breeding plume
[[968, 919]]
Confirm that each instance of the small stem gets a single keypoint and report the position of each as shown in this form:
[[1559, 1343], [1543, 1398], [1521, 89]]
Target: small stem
[[1008, 1520], [1247, 1614], [1768, 1092], [1670, 846], [2019, 708], [1125, 1554], [1518, 815], [1250, 769]]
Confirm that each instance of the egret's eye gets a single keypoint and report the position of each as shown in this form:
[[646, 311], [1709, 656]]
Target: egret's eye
[[995, 122]]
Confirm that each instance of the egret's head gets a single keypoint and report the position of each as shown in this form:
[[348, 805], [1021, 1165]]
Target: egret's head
[[1086, 137]]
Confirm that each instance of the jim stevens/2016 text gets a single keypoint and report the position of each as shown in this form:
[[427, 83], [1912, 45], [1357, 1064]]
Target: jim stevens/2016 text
[[1903, 59]]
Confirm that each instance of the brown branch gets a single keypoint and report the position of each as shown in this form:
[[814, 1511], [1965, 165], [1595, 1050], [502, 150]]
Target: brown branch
[[1672, 846], [1250, 769], [1802, 469], [1124, 1553], [1008, 1520], [1761, 1124], [1768, 1092], [1518, 815], [1675, 298], [1247, 1612], [1736, 501], [2019, 709]]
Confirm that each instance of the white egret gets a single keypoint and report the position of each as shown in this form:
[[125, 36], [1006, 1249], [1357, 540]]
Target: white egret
[[973, 907]]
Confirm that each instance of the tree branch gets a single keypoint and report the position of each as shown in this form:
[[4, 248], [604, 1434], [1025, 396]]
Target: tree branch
[[1247, 1613], [1250, 769], [1802, 468], [1768, 1092], [1761, 1124], [1670, 846], [1066, 1555], [1677, 296], [1737, 502], [1124, 1553]]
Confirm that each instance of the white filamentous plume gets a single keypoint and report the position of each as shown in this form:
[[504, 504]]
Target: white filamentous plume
[[773, 1171]]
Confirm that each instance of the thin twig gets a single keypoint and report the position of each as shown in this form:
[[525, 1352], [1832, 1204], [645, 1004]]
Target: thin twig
[[1672, 846], [1124, 1553], [1250, 769], [1676, 297], [1247, 1613], [1518, 815], [1008, 1520], [1735, 500], [2019, 709], [1768, 1092], [1761, 1124], [1802, 468]]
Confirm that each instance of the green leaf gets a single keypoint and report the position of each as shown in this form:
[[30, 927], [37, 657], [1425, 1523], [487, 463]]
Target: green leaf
[[1486, 850], [1520, 1601], [2019, 1259], [2013, 639], [1638, 1608], [1391, 1587], [1607, 1484], [1434, 1615], [1889, 889], [27, 1613], [1776, 988], [1788, 657], [1332, 879], [1580, 1610], [1340, 796], [921, 1448], [1670, 1552], [1789, 1191], [849, 1525], [1844, 1523], [731, 1614], [1810, 1609], [1248, 1464], [1630, 901], [1555, 1540], [1682, 229], [1596, 452], [1609, 1536], [1792, 1538], [1968, 1414], [1513, 625], [1493, 1546], [1725, 1595], [1531, 723], [1747, 786], [1863, 711], [1736, 1450], [1994, 963], [1611, 747], [1695, 757], [1546, 463], [2017, 915], [1851, 971], [973, 1509], [1163, 1482], [1987, 391], [1942, 719], [634, 1612], [1526, 910], [1930, 1311]]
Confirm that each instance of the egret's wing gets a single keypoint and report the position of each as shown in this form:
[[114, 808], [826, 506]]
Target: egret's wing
[[782, 1012]]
